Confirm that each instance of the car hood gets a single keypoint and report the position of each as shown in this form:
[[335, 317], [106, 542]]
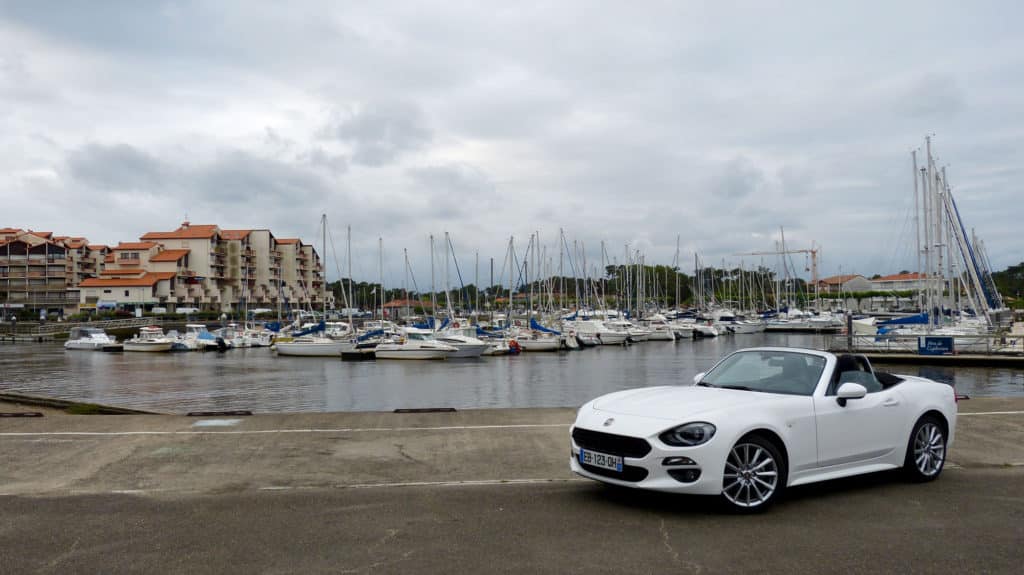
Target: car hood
[[675, 403]]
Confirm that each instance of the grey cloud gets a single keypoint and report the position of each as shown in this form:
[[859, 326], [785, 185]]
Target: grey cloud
[[379, 133], [118, 167], [321, 158], [453, 189], [238, 178]]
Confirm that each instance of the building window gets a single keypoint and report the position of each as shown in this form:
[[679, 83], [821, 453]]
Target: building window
[[106, 291], [125, 293]]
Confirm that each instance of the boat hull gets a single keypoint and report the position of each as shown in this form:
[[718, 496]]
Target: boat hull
[[151, 346], [306, 349], [410, 353]]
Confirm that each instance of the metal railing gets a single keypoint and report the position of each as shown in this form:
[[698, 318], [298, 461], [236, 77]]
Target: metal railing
[[51, 328], [997, 343]]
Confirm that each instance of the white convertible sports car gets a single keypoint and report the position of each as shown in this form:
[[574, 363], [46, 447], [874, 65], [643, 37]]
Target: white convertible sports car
[[763, 419]]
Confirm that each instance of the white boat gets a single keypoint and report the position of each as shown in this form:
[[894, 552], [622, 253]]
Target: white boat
[[310, 346], [89, 338], [198, 338], [659, 328], [532, 340], [466, 345], [149, 338], [682, 330], [704, 330], [593, 328], [497, 346], [413, 345]]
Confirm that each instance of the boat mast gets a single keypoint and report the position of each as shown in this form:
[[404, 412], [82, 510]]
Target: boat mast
[[380, 268], [433, 289], [348, 300], [917, 227], [323, 280]]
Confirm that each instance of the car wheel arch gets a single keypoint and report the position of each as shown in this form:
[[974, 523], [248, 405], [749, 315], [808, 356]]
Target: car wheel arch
[[934, 414], [775, 439]]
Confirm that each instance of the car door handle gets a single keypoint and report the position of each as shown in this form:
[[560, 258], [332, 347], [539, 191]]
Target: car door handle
[[891, 402]]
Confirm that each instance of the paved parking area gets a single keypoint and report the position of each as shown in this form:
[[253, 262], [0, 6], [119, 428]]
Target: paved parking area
[[477, 491]]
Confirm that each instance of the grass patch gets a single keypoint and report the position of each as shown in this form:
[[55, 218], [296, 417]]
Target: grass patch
[[85, 409]]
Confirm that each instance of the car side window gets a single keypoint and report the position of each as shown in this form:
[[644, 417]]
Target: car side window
[[851, 369], [862, 377]]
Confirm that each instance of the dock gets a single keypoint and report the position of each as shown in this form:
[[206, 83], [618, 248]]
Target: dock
[[469, 491]]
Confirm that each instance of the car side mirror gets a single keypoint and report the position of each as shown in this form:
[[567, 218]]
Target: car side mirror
[[698, 377], [850, 390]]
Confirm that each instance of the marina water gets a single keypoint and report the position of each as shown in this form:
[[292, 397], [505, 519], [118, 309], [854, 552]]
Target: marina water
[[257, 380]]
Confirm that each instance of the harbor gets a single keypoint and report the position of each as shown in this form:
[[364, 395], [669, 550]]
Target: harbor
[[258, 380]]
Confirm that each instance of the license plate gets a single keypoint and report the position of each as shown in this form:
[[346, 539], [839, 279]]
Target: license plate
[[602, 460]]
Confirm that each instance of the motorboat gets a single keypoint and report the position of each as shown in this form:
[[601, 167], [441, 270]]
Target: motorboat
[[414, 345], [149, 338], [310, 346], [659, 328], [459, 338], [533, 340], [593, 328], [198, 338], [89, 338]]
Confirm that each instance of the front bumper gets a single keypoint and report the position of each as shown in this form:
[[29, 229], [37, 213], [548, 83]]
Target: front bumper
[[708, 459]]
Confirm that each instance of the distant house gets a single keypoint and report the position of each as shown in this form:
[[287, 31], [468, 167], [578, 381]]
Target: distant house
[[899, 282], [844, 283]]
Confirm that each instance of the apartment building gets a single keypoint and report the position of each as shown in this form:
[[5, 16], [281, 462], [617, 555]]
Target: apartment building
[[210, 268], [135, 275], [42, 272]]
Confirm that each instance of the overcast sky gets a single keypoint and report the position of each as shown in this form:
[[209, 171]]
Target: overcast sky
[[717, 122]]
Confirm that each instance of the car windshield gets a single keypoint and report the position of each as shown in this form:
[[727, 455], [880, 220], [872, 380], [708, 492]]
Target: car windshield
[[785, 372]]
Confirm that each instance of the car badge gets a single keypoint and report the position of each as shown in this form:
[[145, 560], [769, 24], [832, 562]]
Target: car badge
[[609, 421]]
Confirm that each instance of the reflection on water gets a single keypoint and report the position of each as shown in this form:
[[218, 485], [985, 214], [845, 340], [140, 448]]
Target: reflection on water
[[258, 380]]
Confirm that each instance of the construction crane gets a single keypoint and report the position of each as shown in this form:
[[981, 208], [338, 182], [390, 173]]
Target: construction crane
[[813, 251]]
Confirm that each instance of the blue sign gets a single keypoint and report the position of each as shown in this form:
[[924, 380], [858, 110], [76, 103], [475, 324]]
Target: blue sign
[[934, 345]]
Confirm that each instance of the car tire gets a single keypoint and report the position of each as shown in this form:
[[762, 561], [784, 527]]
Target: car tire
[[754, 475], [926, 450]]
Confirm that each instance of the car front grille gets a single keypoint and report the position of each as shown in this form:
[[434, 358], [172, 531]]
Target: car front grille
[[621, 445]]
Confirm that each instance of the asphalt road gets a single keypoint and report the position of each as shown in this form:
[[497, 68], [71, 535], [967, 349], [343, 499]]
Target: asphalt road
[[473, 492]]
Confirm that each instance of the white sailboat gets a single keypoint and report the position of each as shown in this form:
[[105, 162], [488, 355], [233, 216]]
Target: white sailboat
[[310, 345]]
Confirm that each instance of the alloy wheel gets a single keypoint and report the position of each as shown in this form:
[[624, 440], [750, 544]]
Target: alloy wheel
[[929, 449], [751, 475]]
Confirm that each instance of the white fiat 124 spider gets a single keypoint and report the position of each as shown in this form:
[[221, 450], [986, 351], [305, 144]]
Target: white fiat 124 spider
[[764, 419]]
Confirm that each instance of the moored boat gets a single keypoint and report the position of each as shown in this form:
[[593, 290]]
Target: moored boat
[[149, 338], [89, 339]]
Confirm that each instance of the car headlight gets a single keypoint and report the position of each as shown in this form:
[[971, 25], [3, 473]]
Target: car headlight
[[689, 434]]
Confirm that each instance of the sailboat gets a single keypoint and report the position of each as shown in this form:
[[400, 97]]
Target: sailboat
[[310, 344]]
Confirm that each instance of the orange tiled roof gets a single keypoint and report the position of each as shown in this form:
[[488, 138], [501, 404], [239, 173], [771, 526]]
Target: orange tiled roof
[[900, 277], [836, 280], [169, 256], [122, 272], [287, 240], [10, 230], [109, 258], [234, 234], [147, 280], [185, 232], [75, 243], [95, 247], [44, 235], [135, 245]]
